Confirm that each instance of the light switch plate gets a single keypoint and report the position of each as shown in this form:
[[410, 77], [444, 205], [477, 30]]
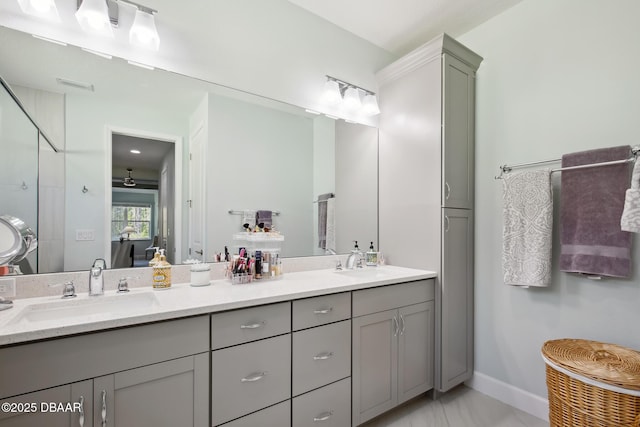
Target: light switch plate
[[84, 235], [7, 287]]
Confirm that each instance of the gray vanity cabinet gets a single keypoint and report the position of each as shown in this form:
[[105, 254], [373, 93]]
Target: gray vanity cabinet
[[171, 393], [392, 349], [78, 394], [427, 138]]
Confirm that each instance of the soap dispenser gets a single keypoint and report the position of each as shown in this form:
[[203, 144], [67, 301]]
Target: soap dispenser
[[162, 273], [371, 256], [156, 257]]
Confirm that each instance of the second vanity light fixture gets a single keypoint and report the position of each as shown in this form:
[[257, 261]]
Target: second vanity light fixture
[[98, 16], [338, 92]]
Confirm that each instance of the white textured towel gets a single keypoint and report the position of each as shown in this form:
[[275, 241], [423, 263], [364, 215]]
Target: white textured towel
[[630, 220], [527, 230], [331, 224]]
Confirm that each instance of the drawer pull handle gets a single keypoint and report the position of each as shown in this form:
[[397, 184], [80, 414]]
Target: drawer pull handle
[[81, 412], [257, 376], [323, 416], [253, 325], [323, 356], [396, 327], [402, 322], [323, 311], [104, 408]]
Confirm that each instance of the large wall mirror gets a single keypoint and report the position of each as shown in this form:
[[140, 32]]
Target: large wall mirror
[[208, 155]]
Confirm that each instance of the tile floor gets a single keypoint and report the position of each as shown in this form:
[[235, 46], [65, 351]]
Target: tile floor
[[461, 407]]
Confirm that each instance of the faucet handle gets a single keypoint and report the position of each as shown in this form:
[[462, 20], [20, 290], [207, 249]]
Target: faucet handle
[[123, 286], [69, 290], [338, 265]]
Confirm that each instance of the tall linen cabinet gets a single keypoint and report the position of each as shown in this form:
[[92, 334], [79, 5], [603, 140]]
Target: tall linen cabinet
[[426, 186]]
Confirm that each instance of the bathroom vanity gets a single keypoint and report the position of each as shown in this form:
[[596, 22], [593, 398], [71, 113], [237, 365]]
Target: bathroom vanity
[[336, 347]]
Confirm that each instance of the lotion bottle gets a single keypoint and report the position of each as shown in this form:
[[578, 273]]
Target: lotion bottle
[[162, 273]]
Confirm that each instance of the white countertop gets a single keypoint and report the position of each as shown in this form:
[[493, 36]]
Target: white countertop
[[25, 323]]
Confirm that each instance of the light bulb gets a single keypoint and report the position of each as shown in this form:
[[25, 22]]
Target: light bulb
[[352, 99], [42, 6], [331, 94], [93, 16], [370, 105], [143, 31]]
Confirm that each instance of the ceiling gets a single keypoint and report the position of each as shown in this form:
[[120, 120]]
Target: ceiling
[[400, 26]]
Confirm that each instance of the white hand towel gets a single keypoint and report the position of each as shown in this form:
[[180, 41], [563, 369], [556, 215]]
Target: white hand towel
[[630, 220], [527, 230], [248, 217], [331, 224]]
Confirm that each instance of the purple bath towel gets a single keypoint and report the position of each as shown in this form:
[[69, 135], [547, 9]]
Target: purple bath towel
[[591, 204]]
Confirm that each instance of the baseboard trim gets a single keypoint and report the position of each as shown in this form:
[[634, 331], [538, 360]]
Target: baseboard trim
[[511, 395]]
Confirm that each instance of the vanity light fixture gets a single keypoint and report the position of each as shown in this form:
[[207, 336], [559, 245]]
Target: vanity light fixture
[[332, 94], [41, 8], [143, 32], [336, 91], [93, 16], [370, 105], [352, 99]]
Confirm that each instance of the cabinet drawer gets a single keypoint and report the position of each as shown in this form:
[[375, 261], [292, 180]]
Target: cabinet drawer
[[321, 310], [385, 298], [250, 324], [274, 416], [329, 406], [85, 356], [321, 355], [250, 377]]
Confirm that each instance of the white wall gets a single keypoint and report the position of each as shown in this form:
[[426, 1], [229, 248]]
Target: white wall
[[272, 48], [324, 167], [86, 162], [557, 77], [258, 158]]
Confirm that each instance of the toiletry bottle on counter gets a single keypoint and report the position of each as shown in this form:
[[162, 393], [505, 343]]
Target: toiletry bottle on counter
[[162, 273], [371, 256], [156, 257]]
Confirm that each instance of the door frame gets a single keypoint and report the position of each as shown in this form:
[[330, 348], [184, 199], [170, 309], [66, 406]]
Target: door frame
[[177, 204]]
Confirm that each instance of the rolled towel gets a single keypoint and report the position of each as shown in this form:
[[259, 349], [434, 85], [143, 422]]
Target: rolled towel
[[630, 220], [527, 230]]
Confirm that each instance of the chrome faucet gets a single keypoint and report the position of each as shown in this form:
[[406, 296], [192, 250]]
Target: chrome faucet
[[96, 279], [355, 257]]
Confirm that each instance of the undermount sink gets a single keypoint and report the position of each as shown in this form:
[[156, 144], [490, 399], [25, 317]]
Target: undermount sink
[[365, 272], [87, 309]]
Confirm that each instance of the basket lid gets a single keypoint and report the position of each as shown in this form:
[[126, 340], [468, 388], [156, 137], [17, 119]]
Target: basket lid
[[608, 363]]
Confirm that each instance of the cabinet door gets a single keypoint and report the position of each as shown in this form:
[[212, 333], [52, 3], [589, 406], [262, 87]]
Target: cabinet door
[[456, 299], [458, 134], [173, 393], [415, 350], [42, 408], [375, 360]]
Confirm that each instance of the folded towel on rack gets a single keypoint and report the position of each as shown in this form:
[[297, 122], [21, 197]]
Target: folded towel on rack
[[322, 219], [527, 230], [330, 245], [630, 220], [248, 218], [591, 204], [263, 218]]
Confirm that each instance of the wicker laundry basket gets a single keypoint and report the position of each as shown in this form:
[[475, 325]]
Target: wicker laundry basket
[[592, 384]]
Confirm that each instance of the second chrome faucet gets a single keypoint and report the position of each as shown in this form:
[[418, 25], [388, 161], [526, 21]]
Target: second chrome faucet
[[96, 278]]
